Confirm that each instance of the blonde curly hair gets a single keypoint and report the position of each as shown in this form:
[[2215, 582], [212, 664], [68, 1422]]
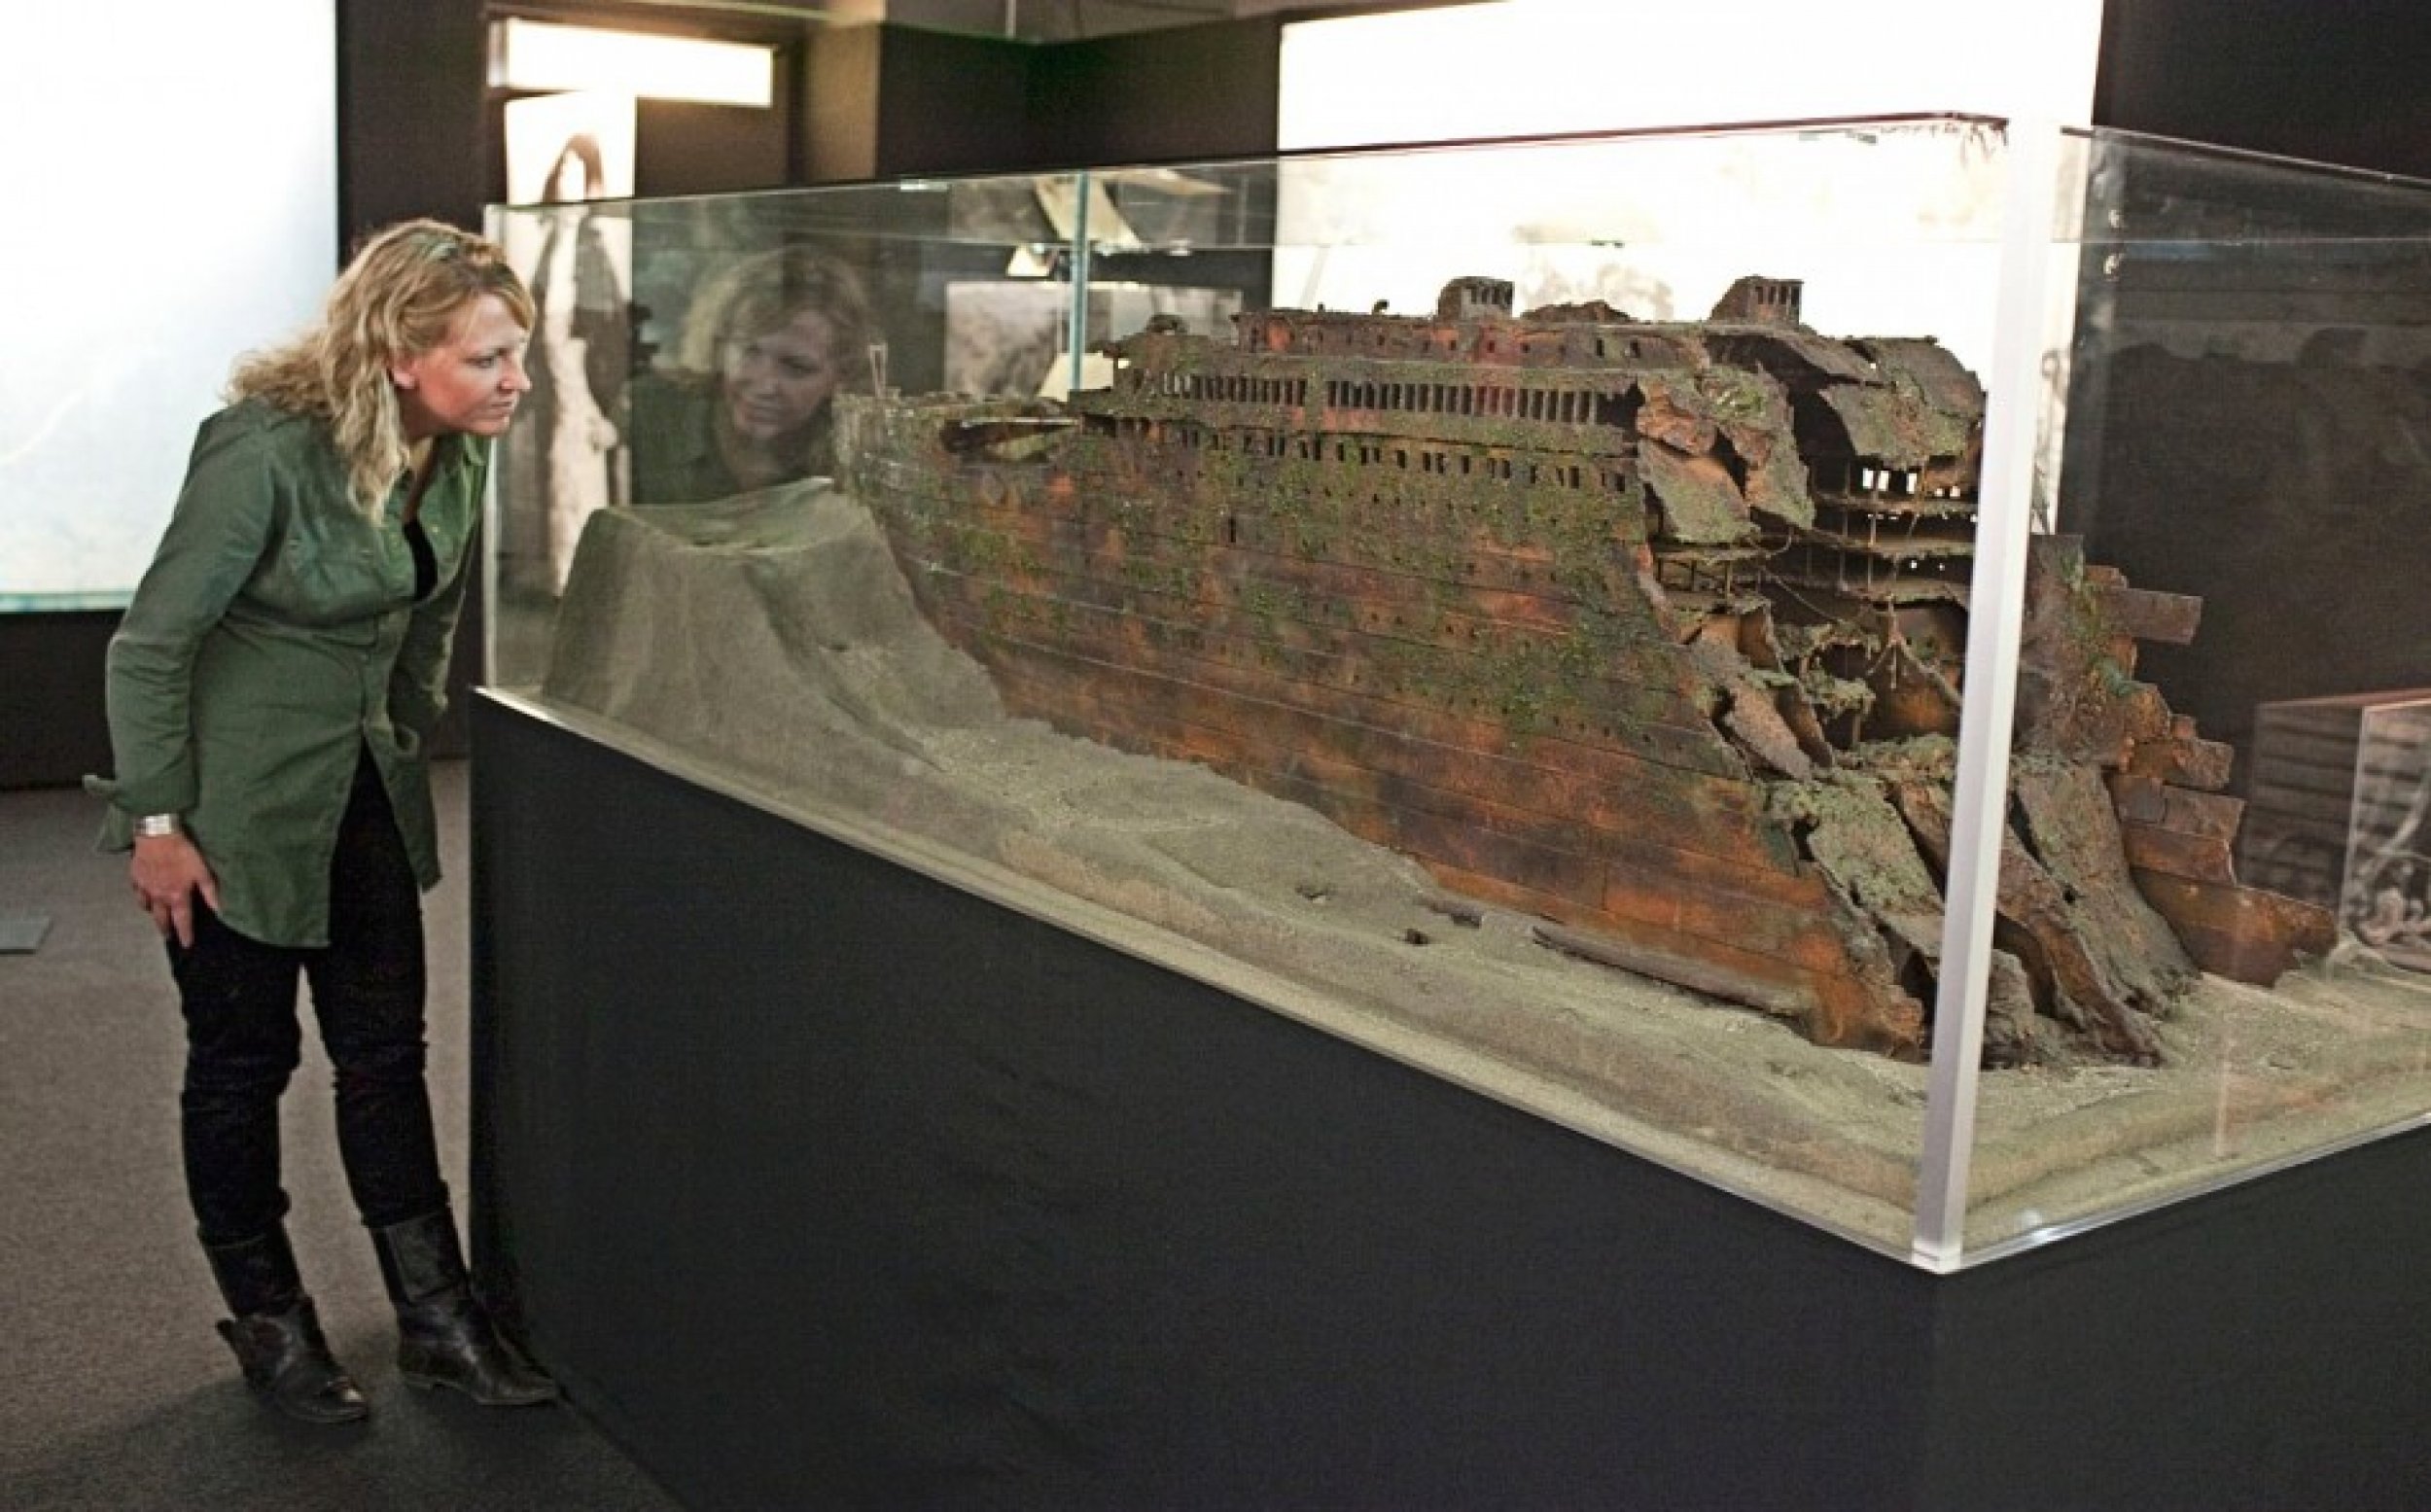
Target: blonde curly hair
[[760, 294], [400, 297]]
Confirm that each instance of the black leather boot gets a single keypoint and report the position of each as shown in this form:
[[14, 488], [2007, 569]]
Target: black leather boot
[[277, 1335], [444, 1337]]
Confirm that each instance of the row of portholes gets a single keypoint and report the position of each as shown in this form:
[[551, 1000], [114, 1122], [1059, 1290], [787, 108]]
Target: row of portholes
[[1432, 460], [1440, 341], [1571, 406], [1359, 524], [1564, 406], [1467, 635], [1360, 335], [1371, 514], [1227, 388], [1388, 505], [1429, 460], [1466, 464]]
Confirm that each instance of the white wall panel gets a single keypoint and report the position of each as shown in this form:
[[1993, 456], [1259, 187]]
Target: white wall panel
[[170, 177]]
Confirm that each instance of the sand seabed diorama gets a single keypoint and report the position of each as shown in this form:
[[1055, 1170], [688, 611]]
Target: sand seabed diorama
[[1561, 703]]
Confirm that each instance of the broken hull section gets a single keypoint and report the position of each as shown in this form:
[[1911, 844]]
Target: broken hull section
[[1651, 632]]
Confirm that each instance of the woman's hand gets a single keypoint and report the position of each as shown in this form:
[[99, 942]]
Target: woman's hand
[[168, 871]]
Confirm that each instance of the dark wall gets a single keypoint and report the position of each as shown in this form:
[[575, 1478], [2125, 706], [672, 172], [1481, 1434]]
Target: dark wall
[[679, 148], [52, 729], [2279, 500], [412, 118], [1195, 92], [2341, 84], [960, 104], [950, 104], [413, 140]]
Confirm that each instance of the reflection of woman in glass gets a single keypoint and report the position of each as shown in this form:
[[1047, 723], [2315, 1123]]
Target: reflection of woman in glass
[[766, 345], [577, 383]]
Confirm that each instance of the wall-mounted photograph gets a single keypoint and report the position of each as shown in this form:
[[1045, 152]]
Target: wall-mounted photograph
[[572, 150]]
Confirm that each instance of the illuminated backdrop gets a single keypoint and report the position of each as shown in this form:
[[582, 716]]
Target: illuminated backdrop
[[170, 172]]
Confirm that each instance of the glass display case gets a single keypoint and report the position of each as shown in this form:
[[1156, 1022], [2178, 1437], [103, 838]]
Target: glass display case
[[1802, 651]]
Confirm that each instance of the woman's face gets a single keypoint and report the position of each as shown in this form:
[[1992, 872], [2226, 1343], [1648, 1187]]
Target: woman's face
[[777, 381], [470, 382]]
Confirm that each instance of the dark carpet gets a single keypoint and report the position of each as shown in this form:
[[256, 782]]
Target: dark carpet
[[114, 1393]]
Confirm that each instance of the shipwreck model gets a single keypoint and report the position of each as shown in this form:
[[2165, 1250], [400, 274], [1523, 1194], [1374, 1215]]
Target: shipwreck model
[[1650, 629]]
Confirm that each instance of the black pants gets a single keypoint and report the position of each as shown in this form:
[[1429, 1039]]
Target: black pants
[[243, 1041]]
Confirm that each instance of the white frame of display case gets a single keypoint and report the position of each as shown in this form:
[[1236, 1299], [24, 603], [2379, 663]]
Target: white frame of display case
[[1995, 619]]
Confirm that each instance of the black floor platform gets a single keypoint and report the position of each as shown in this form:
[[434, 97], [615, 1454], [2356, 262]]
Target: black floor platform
[[824, 1183]]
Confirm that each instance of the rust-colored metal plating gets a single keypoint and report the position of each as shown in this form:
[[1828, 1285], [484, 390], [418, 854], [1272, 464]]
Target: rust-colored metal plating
[[1652, 630]]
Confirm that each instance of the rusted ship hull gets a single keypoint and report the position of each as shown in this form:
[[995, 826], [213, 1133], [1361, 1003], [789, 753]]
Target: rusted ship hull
[[1650, 632]]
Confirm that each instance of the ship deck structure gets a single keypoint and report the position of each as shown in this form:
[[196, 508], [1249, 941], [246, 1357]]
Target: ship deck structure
[[1652, 631]]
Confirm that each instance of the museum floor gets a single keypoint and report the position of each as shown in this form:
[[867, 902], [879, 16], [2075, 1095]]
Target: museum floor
[[115, 1393]]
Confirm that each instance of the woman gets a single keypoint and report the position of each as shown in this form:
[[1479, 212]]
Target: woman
[[766, 345], [270, 689]]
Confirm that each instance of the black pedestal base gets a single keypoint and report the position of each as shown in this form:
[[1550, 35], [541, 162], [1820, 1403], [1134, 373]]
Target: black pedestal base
[[820, 1182]]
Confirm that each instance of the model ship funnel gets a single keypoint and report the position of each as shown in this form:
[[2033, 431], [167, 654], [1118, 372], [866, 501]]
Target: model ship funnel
[[1761, 301], [1653, 631], [1474, 298]]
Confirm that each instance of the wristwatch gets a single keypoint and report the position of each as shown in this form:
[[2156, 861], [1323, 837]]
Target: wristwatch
[[154, 825]]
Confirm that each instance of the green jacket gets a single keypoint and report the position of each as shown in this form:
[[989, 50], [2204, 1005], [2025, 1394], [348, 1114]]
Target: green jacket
[[670, 435], [668, 438], [273, 637]]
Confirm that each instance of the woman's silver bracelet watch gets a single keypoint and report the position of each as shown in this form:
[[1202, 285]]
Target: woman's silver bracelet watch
[[152, 826]]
